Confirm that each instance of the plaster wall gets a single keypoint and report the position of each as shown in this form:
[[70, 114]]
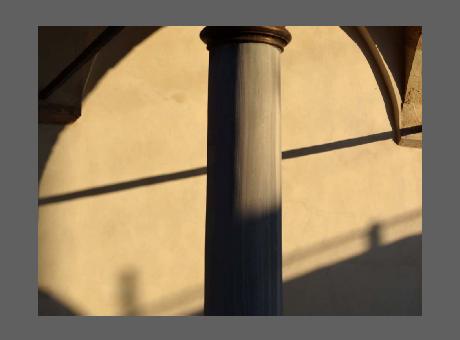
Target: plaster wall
[[122, 192]]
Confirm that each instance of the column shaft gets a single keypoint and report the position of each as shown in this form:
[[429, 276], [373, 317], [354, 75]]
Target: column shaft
[[243, 208]]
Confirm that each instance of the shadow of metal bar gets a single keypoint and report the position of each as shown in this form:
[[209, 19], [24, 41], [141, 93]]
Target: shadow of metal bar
[[123, 186], [315, 149]]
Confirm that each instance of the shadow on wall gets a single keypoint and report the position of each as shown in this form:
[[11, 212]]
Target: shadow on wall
[[374, 283], [116, 50], [385, 280], [353, 33], [106, 59], [130, 37], [49, 305], [128, 294], [47, 140], [47, 137], [390, 41]]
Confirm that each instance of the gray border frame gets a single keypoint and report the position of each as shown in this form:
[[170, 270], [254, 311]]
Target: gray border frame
[[19, 164]]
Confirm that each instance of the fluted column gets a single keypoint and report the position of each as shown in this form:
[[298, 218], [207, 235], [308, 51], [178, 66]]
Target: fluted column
[[243, 204]]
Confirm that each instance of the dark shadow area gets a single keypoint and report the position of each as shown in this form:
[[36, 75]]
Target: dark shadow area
[[84, 57], [353, 33], [59, 100], [390, 41], [412, 37], [57, 48], [49, 305], [47, 137], [61, 46], [386, 280], [315, 149]]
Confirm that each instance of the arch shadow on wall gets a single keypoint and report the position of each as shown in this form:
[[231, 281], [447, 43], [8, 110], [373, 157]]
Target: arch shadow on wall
[[390, 53], [108, 57], [130, 37]]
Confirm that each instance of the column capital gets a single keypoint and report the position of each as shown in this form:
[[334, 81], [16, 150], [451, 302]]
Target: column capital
[[277, 36]]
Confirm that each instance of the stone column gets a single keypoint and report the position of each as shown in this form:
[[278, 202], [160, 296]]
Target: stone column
[[243, 203]]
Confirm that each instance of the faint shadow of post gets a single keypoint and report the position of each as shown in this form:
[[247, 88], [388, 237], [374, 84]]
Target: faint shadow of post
[[375, 236], [128, 296]]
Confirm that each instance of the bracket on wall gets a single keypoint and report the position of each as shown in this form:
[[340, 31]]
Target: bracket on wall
[[406, 106], [50, 113], [411, 111], [60, 97]]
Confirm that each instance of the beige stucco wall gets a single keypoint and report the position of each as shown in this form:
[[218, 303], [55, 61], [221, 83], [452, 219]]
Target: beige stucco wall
[[140, 250]]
